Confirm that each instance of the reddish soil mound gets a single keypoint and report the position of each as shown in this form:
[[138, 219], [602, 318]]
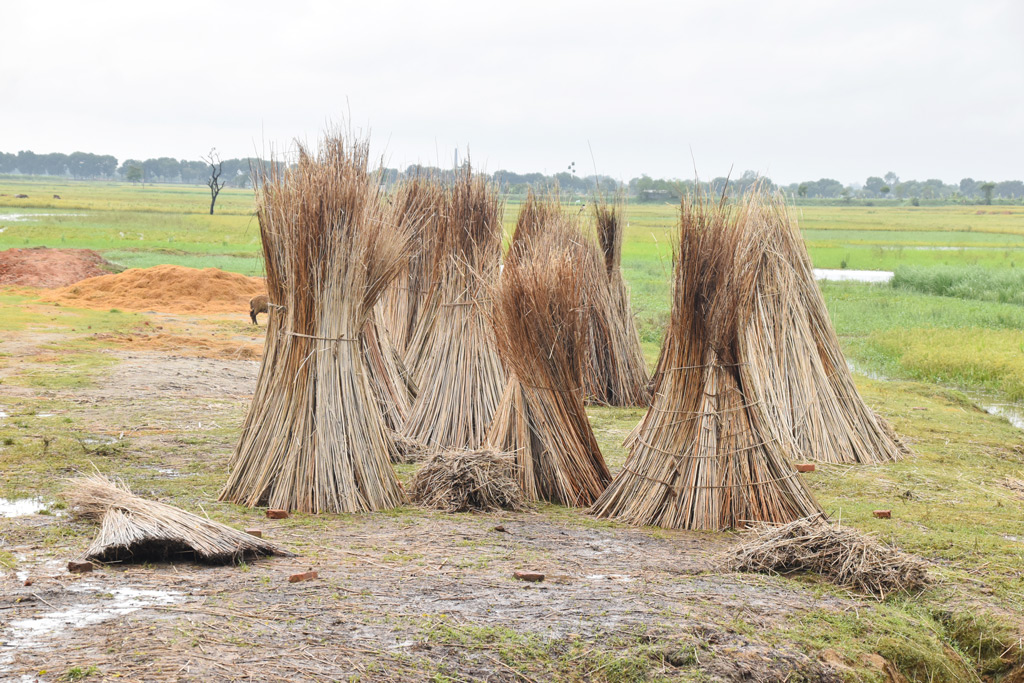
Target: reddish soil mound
[[172, 289], [45, 267]]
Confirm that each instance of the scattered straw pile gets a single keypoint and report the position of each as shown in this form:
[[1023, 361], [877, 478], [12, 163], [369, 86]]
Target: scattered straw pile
[[463, 480], [457, 371], [707, 454], [844, 556], [133, 529], [315, 439], [45, 267], [615, 372], [540, 314], [170, 289]]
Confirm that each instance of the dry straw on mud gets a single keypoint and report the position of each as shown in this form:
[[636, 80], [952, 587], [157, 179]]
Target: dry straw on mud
[[463, 480], [540, 315], [703, 457], [615, 372], [315, 439], [451, 353], [842, 555], [133, 529]]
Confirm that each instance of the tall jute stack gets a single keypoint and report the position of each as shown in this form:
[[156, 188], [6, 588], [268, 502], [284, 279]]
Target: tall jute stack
[[615, 372], [451, 354], [540, 316], [416, 202], [793, 366], [704, 456], [314, 439]]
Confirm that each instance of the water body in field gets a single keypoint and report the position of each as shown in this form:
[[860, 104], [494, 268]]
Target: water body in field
[[18, 217], [96, 605], [838, 275], [20, 507]]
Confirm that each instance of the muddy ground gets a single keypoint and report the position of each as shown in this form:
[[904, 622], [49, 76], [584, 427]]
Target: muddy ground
[[401, 595]]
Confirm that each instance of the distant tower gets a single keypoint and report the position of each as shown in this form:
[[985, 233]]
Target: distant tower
[[456, 157]]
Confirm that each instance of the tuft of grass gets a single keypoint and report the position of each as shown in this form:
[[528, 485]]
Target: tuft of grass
[[1003, 285], [77, 673]]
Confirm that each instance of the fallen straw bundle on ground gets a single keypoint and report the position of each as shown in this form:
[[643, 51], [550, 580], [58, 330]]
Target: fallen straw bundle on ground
[[315, 439], [615, 372], [463, 480], [456, 368], [842, 555], [703, 456], [133, 529], [540, 321]]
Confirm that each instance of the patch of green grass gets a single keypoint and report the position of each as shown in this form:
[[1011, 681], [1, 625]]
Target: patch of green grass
[[7, 561], [992, 360], [77, 673], [964, 282], [617, 658]]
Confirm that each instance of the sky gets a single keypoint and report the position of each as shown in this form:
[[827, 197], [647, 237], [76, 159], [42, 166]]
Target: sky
[[794, 90]]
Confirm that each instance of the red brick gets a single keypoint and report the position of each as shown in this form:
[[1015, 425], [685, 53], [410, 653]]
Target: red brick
[[254, 532], [277, 514], [80, 567], [805, 467], [883, 514], [532, 577], [304, 576]]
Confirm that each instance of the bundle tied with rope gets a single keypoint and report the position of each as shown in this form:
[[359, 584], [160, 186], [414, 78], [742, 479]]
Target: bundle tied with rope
[[451, 353], [315, 438], [704, 457], [540, 315]]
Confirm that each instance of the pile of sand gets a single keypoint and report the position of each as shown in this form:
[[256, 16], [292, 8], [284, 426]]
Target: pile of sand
[[171, 289], [45, 267]]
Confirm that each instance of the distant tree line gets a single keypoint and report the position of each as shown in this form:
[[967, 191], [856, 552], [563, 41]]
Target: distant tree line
[[83, 165], [86, 166]]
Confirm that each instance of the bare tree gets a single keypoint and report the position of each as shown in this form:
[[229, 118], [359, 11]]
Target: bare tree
[[215, 183]]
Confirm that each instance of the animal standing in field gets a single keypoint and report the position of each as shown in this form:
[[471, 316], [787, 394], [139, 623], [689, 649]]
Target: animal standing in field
[[56, 196], [258, 304], [21, 196]]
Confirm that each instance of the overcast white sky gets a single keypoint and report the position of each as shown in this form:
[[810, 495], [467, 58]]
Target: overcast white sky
[[793, 89]]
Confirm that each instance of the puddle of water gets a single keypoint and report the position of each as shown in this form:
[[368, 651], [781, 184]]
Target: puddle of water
[[842, 275], [37, 630], [1011, 412], [3, 414], [20, 507], [45, 414], [19, 217]]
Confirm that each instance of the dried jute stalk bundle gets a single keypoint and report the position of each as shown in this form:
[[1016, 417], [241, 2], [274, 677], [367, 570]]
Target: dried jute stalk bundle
[[416, 204], [615, 372], [133, 529], [703, 457], [315, 439], [540, 315], [842, 555], [451, 354]]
